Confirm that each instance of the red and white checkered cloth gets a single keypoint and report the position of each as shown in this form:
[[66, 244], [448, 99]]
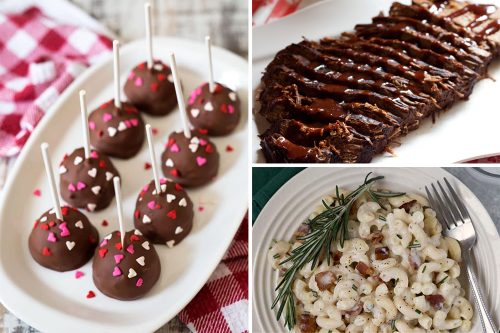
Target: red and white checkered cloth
[[221, 306], [39, 58]]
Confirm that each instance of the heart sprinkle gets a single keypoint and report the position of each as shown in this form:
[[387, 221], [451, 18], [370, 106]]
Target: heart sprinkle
[[37, 192], [79, 274], [80, 186], [178, 230], [139, 282], [62, 169], [77, 160], [209, 107], [92, 172], [122, 126], [183, 202], [111, 131], [171, 243], [117, 271], [91, 125], [131, 273], [140, 260], [151, 205], [138, 82], [201, 160], [118, 258], [90, 294], [109, 175], [145, 245], [102, 252], [147, 166], [170, 198], [70, 245], [96, 189], [64, 230], [169, 163], [232, 96], [175, 148], [172, 214], [154, 87], [130, 249], [91, 207], [46, 252], [230, 109], [195, 113], [71, 187], [229, 148], [107, 117], [104, 223], [52, 237], [79, 224]]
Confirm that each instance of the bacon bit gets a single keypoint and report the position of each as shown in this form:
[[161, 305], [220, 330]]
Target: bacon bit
[[355, 310], [325, 280], [147, 165], [376, 237], [436, 301], [382, 253], [229, 148], [408, 205], [307, 323], [364, 268], [37, 192], [377, 278], [336, 256]]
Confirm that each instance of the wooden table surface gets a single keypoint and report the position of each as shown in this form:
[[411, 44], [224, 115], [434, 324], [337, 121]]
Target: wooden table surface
[[226, 21]]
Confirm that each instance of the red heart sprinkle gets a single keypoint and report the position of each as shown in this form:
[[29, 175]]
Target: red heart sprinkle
[[101, 134], [118, 246], [201, 208], [90, 294], [36, 224], [161, 77], [170, 142], [46, 252], [104, 223], [131, 109], [37, 192], [202, 131], [64, 211], [147, 166], [136, 214], [174, 172], [154, 87], [134, 238], [223, 108], [154, 130], [44, 226], [52, 223], [218, 88], [178, 187], [102, 252], [172, 214], [65, 157], [102, 164], [209, 148], [229, 148], [142, 65]]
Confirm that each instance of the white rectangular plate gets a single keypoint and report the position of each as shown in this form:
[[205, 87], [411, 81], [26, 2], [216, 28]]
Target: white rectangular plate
[[56, 302]]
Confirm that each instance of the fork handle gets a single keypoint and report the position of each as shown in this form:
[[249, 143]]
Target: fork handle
[[486, 320]]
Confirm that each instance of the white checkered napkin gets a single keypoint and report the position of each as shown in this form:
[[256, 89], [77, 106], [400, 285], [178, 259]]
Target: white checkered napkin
[[39, 58]]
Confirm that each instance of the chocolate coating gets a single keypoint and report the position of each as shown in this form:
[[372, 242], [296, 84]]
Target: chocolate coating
[[116, 132], [166, 218], [151, 90], [125, 273], [63, 245], [190, 162], [87, 183], [218, 113]]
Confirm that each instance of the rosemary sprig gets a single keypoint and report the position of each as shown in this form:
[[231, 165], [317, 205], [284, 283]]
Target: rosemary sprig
[[327, 227]]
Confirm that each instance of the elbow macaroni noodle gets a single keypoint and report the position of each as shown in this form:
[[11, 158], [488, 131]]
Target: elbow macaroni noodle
[[412, 288]]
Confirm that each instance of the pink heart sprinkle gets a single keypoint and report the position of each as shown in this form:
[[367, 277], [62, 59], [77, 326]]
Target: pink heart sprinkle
[[131, 76], [104, 242], [91, 125], [107, 117], [117, 272], [119, 258], [230, 108], [145, 188], [71, 187], [94, 154], [134, 122], [52, 237], [163, 180], [130, 249], [127, 123], [64, 229], [174, 148], [203, 142], [79, 274], [151, 205], [201, 160], [139, 282], [138, 82], [81, 186]]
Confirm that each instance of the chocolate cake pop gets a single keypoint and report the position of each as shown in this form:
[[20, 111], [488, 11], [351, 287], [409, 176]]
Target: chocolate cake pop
[[213, 106], [86, 175], [126, 266], [191, 160], [163, 210], [116, 128], [62, 239]]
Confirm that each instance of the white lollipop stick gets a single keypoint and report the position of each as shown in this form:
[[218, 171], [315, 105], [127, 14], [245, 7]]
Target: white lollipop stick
[[211, 82], [85, 124], [149, 35], [52, 182], [116, 71], [180, 96], [118, 195], [152, 154]]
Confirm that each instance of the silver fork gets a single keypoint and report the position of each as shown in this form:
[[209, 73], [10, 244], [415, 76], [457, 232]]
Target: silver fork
[[457, 224]]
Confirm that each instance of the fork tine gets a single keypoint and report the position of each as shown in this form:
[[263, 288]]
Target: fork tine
[[445, 212], [437, 209], [452, 207], [460, 204]]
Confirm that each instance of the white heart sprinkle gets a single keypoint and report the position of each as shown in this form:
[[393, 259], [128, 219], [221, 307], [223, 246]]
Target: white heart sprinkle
[[171, 243], [91, 207], [169, 163], [111, 131], [170, 198], [146, 219], [195, 139], [122, 126], [79, 224], [170, 78], [183, 202], [158, 67], [178, 230], [109, 175], [70, 245], [62, 169], [145, 245], [140, 261], [232, 96], [137, 232], [209, 106], [193, 147], [92, 172], [108, 237], [77, 160], [195, 113], [43, 219], [96, 189], [131, 273], [163, 187]]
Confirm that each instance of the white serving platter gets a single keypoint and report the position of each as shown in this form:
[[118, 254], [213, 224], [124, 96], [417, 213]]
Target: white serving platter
[[294, 201], [468, 130], [56, 302]]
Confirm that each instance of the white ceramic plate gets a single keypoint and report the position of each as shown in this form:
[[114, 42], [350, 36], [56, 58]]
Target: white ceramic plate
[[462, 133], [297, 198], [56, 302]]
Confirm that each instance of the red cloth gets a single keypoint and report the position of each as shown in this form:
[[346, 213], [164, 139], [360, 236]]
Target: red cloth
[[264, 11], [39, 58], [222, 304]]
